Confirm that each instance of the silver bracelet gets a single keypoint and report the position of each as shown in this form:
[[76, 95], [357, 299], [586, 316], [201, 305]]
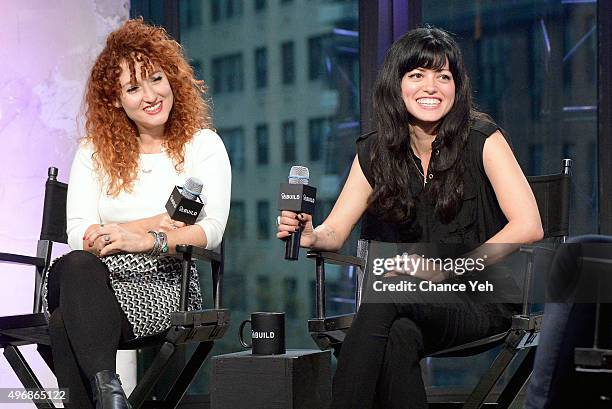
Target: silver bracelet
[[163, 245], [156, 245]]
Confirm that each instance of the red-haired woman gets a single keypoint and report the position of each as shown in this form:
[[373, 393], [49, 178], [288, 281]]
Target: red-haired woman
[[148, 130]]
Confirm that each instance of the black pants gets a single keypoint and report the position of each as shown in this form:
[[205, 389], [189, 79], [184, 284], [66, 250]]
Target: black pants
[[86, 325], [379, 365]]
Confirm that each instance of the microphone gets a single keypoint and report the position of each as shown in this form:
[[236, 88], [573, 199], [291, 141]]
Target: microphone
[[296, 196], [185, 203]]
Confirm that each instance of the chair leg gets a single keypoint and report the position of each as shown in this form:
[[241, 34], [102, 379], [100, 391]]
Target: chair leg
[[25, 374], [152, 375], [519, 379], [190, 370], [519, 400], [488, 381]]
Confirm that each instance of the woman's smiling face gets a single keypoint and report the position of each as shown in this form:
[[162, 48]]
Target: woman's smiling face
[[147, 102], [429, 94]]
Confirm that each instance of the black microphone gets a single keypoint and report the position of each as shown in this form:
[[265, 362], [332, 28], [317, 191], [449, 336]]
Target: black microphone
[[296, 196], [185, 203]]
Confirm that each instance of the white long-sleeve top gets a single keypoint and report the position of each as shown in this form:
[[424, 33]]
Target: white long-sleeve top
[[205, 158]]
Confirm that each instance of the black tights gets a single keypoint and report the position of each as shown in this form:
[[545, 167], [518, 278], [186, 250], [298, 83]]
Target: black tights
[[86, 325], [379, 361]]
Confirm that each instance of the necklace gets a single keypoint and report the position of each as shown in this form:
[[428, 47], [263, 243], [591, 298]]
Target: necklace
[[418, 170]]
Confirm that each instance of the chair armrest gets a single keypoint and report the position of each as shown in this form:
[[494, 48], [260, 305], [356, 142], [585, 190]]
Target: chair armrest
[[198, 253], [20, 259], [530, 252], [336, 258], [188, 253]]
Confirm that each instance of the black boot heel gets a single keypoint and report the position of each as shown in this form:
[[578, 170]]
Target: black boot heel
[[107, 391]]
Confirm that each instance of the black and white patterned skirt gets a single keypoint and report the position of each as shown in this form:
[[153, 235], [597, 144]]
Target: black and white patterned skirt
[[148, 289]]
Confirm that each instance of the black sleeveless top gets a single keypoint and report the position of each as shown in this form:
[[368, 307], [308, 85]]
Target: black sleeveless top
[[478, 219]]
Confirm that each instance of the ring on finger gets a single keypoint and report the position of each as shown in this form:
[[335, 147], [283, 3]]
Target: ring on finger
[[278, 221], [107, 238]]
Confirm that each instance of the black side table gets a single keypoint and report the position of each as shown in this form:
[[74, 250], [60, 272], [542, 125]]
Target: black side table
[[298, 379]]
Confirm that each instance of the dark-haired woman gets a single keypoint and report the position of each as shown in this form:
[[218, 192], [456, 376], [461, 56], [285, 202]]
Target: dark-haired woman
[[435, 170]]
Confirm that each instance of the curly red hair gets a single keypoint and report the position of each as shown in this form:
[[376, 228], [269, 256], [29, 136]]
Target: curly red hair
[[113, 134]]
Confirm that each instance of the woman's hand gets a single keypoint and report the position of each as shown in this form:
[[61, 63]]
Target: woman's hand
[[416, 265], [289, 222], [113, 238], [163, 222]]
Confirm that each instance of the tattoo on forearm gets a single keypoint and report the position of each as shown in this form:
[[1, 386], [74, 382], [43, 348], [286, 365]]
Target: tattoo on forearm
[[327, 232]]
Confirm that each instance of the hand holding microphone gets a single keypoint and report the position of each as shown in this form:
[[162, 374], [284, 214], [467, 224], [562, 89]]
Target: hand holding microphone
[[288, 222], [186, 203], [296, 202]]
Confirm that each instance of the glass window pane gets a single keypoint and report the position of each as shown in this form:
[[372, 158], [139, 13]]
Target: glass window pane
[[263, 219], [288, 62], [289, 142], [260, 5], [261, 67], [533, 69], [266, 133], [236, 220], [262, 140], [233, 139], [318, 129]]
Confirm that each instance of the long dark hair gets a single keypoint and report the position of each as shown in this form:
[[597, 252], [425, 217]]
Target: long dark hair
[[391, 166]]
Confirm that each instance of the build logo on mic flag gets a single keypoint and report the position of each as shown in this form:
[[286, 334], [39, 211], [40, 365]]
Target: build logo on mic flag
[[297, 198], [183, 209]]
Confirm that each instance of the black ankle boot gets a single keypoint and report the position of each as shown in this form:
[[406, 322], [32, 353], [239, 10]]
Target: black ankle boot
[[107, 391]]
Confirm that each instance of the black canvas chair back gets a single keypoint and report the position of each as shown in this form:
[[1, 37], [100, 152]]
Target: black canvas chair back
[[54, 210], [201, 327], [552, 193]]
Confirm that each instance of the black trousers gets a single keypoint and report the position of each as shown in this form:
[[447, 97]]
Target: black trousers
[[86, 325], [379, 363]]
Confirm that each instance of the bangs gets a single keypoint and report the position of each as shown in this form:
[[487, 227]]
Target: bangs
[[430, 54], [147, 66]]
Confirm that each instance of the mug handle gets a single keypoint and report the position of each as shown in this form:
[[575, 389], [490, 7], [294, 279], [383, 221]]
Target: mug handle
[[244, 344]]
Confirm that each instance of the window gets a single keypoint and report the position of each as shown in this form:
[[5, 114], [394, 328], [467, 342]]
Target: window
[[288, 135], [318, 130], [288, 62], [233, 139], [261, 139], [215, 10], [236, 220], [261, 67], [263, 219], [227, 74], [260, 5], [191, 15], [225, 9], [317, 58]]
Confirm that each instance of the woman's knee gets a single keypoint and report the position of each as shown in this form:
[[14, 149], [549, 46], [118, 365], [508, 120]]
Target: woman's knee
[[406, 336], [78, 266]]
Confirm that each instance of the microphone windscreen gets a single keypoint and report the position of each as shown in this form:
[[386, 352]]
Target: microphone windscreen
[[299, 175], [192, 188]]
